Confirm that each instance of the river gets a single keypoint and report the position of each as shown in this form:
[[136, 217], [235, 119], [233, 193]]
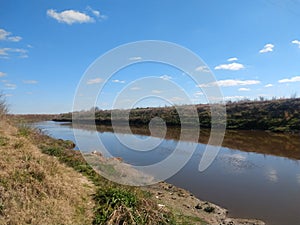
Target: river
[[255, 175]]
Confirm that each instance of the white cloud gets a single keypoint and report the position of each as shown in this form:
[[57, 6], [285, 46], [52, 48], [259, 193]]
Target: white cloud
[[228, 98], [267, 48], [10, 86], [231, 66], [268, 85], [198, 93], [2, 74], [272, 175], [298, 178], [235, 97], [290, 80], [8, 95], [15, 39], [156, 91], [96, 13], [204, 69], [6, 36], [177, 99], [230, 83], [30, 81], [135, 88], [118, 81], [4, 52], [135, 58], [94, 81], [232, 59], [296, 42], [244, 89], [165, 77], [70, 16]]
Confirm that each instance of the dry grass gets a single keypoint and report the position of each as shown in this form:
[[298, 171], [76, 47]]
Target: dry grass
[[50, 188], [38, 189], [30, 118]]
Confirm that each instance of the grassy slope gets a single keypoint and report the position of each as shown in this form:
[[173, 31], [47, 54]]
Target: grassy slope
[[44, 181], [36, 188], [31, 118]]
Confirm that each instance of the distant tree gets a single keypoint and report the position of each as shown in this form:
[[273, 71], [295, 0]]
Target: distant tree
[[95, 108], [294, 95]]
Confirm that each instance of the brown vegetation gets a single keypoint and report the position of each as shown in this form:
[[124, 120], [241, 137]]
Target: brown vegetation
[[36, 188], [30, 118], [277, 115]]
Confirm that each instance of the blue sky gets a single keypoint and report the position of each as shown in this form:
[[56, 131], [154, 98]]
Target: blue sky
[[252, 47]]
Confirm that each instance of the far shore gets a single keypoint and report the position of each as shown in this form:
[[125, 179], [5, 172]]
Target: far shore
[[279, 115]]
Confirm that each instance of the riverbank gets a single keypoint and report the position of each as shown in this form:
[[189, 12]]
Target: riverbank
[[36, 188], [185, 204], [278, 115], [161, 203], [186, 208]]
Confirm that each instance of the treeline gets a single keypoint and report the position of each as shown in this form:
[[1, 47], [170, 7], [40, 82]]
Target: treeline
[[282, 115]]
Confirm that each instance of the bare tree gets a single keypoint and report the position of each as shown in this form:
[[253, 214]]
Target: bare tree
[[3, 105], [294, 95]]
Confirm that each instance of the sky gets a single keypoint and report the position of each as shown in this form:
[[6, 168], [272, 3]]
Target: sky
[[251, 47]]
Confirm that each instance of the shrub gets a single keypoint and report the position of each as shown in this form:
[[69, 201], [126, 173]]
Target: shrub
[[209, 209]]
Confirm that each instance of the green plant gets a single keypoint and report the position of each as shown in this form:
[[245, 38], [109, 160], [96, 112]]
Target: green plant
[[114, 200], [187, 220], [3, 141], [38, 175], [54, 151], [24, 130], [18, 145]]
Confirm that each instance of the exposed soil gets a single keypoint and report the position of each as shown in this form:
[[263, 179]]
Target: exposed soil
[[184, 203]]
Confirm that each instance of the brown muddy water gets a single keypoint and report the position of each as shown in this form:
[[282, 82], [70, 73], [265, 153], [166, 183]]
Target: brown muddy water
[[255, 175]]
